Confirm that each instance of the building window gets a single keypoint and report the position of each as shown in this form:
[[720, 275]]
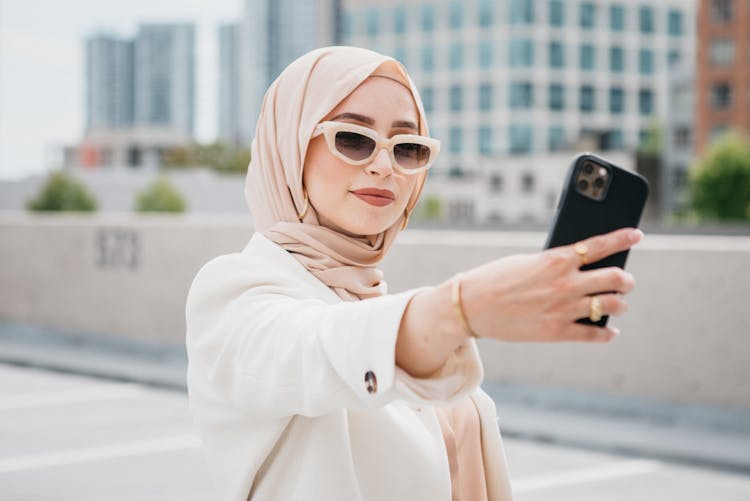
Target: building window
[[485, 55], [675, 23], [617, 18], [588, 57], [527, 182], [520, 139], [616, 100], [587, 101], [588, 15], [428, 99], [456, 98], [645, 102], [556, 138], [722, 11], [456, 15], [521, 95], [347, 26], [615, 140], [373, 22], [521, 11], [485, 140], [428, 18], [485, 96], [682, 137], [486, 13], [673, 57], [557, 13], [646, 19], [456, 56], [496, 183], [456, 140], [399, 19], [646, 61], [616, 59], [399, 54], [721, 52], [556, 55], [721, 96], [521, 53], [556, 97], [428, 59]]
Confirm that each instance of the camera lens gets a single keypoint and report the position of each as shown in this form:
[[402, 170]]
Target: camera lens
[[599, 182], [583, 185], [588, 168]]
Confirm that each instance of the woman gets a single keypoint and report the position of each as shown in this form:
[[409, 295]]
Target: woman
[[307, 380]]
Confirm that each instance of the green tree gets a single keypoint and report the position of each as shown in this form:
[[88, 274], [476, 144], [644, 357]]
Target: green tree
[[219, 156], [61, 192], [430, 208], [160, 196], [720, 180]]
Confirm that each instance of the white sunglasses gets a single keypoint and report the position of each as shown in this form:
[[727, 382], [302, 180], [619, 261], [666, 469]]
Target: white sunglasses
[[358, 145]]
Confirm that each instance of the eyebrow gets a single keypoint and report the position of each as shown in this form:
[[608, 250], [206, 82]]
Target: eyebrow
[[401, 124]]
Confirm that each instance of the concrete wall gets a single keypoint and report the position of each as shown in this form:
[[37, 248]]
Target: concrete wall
[[686, 337]]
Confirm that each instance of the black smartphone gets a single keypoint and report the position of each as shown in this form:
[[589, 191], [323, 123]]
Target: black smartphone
[[597, 197]]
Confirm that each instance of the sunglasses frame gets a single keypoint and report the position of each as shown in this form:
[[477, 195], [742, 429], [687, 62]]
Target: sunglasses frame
[[329, 129]]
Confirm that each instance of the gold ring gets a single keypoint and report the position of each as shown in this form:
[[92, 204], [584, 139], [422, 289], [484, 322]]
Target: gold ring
[[595, 309], [581, 249]]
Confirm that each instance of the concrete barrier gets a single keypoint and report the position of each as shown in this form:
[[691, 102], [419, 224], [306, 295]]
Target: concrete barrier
[[686, 337]]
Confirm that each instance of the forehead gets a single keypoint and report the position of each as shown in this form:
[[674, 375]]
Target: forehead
[[380, 98]]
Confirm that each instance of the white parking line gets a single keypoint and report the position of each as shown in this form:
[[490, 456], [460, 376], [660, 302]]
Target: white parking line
[[111, 451], [586, 475], [94, 393]]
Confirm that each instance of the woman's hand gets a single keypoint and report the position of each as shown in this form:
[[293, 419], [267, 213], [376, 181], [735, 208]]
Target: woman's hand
[[538, 297]]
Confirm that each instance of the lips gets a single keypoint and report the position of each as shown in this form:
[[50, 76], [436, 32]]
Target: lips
[[374, 196], [375, 193]]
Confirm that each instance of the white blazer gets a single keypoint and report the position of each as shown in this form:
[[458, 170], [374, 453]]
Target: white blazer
[[296, 393]]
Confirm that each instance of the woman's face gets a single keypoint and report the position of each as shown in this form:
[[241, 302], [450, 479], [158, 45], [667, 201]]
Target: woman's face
[[387, 107]]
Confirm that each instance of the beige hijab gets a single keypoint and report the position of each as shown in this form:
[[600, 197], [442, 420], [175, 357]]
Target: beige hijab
[[305, 92]]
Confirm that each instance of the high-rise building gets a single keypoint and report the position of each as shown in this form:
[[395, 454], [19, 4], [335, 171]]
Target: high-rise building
[[723, 70], [230, 131], [504, 81], [274, 33], [109, 82], [165, 77]]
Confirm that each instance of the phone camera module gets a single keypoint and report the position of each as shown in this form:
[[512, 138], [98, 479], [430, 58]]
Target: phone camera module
[[588, 168], [599, 182], [583, 185]]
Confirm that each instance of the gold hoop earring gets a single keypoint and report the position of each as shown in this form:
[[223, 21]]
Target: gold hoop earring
[[406, 220], [307, 204]]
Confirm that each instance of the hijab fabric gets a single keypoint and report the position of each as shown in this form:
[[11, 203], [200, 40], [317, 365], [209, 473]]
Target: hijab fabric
[[302, 95]]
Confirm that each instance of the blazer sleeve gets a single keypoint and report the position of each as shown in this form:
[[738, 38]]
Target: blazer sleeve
[[252, 342]]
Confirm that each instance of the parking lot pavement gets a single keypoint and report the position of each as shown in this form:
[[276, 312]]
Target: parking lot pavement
[[66, 437]]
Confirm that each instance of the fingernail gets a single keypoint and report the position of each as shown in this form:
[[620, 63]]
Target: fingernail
[[636, 236], [616, 332]]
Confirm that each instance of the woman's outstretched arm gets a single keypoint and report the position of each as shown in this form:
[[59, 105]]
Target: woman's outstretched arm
[[527, 297]]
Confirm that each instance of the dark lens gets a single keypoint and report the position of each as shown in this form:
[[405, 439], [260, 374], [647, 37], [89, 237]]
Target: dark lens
[[599, 182], [354, 145], [583, 185], [411, 155], [588, 168]]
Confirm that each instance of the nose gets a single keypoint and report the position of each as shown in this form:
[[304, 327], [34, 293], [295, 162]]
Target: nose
[[381, 164]]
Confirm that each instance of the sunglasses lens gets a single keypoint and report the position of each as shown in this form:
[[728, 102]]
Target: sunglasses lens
[[354, 145], [411, 155]]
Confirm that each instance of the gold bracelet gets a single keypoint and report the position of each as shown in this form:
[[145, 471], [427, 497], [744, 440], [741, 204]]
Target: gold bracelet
[[456, 298]]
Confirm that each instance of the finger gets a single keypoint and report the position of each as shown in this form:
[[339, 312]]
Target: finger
[[601, 246], [589, 333], [612, 304], [611, 279]]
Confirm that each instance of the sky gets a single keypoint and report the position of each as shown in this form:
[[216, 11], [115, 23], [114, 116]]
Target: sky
[[42, 69]]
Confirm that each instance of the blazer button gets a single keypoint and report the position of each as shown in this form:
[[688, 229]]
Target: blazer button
[[371, 382]]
